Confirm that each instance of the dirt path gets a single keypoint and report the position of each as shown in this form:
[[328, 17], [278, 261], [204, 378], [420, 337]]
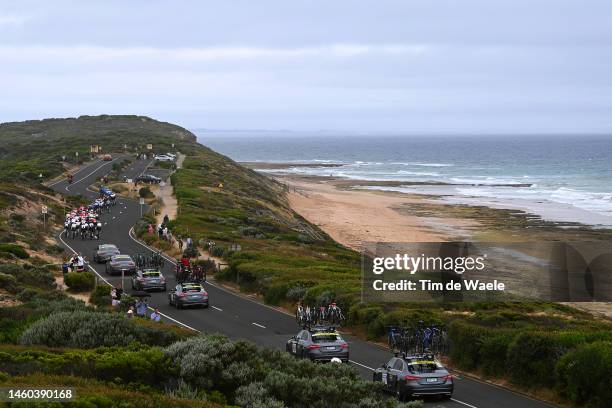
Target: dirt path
[[170, 208], [166, 193]]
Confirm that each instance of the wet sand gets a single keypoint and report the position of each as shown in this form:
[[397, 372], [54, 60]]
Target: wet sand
[[354, 216]]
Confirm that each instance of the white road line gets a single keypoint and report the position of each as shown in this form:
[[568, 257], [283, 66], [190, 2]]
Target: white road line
[[83, 178], [75, 173], [361, 365], [464, 403], [258, 325], [216, 308]]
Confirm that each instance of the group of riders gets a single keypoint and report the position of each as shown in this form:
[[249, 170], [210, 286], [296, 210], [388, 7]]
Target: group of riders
[[331, 314], [84, 222], [186, 272]]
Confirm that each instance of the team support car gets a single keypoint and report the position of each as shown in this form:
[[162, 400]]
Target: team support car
[[149, 279], [118, 263], [104, 252], [318, 344], [188, 294], [415, 375]]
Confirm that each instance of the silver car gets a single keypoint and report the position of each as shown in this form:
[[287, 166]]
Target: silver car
[[149, 279], [118, 263], [188, 294], [415, 375], [318, 344]]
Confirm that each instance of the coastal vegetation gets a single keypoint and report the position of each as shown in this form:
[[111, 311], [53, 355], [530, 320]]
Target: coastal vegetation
[[243, 217]]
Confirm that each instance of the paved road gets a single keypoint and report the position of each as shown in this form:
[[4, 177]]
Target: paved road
[[242, 318]]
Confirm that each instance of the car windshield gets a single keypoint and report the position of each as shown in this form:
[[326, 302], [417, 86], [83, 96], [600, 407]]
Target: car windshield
[[107, 247], [151, 274], [122, 258], [324, 337], [192, 288]]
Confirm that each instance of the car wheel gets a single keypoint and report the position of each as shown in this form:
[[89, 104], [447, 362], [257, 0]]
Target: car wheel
[[178, 305]]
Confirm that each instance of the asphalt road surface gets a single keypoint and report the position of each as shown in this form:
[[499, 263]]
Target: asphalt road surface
[[236, 316]]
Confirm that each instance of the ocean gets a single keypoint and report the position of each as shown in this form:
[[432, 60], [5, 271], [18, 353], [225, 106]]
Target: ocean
[[560, 178]]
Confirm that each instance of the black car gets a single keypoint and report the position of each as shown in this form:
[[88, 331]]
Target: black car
[[104, 252], [148, 178], [415, 375], [149, 279], [118, 263], [318, 344], [188, 294]]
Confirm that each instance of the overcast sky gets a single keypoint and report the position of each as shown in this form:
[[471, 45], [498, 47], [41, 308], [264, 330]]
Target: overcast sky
[[456, 66]]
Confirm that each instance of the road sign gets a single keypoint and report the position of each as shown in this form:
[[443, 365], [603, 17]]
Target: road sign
[[149, 146], [44, 209], [141, 200]]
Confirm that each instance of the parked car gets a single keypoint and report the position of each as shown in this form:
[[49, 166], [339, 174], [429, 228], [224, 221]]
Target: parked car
[[104, 252], [149, 279], [415, 375], [148, 178], [188, 294], [164, 158], [107, 157], [318, 344], [118, 263]]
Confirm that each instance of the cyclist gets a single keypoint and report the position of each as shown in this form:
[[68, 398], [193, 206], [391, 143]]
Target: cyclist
[[70, 178], [334, 312]]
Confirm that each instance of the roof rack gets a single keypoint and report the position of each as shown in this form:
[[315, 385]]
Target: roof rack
[[319, 328]]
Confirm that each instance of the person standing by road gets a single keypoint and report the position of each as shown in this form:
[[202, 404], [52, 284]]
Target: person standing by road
[[179, 238], [156, 316], [141, 308]]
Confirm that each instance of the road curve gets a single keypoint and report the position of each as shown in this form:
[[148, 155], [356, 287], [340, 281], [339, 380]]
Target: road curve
[[239, 317]]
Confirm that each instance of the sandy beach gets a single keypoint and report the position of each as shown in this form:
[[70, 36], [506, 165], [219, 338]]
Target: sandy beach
[[355, 216]]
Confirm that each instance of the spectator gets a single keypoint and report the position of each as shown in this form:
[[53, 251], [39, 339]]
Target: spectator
[[156, 316], [141, 308], [165, 233], [189, 242], [179, 238], [150, 229], [166, 219], [160, 230], [130, 312]]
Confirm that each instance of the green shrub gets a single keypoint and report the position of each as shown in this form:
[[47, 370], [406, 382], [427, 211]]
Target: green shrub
[[100, 296], [80, 281], [8, 282], [14, 249], [86, 329], [532, 357], [191, 252], [267, 377], [29, 275], [145, 192], [275, 294], [584, 375]]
